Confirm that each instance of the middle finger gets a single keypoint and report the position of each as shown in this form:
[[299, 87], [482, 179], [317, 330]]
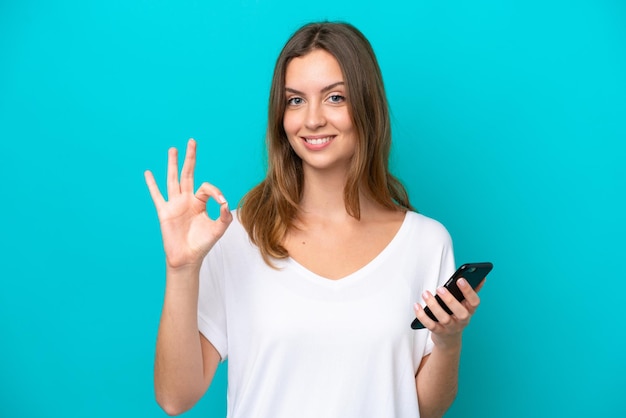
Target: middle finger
[[458, 309], [186, 175]]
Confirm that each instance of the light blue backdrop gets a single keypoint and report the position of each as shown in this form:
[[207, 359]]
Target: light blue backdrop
[[509, 123]]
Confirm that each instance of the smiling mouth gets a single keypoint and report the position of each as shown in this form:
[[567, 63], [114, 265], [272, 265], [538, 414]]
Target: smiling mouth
[[318, 141]]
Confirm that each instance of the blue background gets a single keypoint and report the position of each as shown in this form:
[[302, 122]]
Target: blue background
[[509, 127]]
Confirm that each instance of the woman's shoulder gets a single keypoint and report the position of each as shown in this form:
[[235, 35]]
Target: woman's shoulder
[[425, 226]]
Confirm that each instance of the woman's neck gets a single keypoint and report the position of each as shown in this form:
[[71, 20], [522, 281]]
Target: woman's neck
[[323, 194], [323, 197]]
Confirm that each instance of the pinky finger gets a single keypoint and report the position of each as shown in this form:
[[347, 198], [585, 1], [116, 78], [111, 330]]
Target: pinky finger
[[423, 317], [153, 188]]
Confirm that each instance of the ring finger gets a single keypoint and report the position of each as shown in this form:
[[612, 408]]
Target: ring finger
[[173, 188]]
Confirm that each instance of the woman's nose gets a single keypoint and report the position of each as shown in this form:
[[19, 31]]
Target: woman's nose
[[315, 117]]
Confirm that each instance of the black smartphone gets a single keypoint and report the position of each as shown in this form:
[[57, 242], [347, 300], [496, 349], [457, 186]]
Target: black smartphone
[[474, 273]]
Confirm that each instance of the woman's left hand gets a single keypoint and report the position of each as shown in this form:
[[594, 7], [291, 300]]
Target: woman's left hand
[[447, 332]]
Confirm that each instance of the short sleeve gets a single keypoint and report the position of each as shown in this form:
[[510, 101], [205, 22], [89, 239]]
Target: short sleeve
[[446, 269], [211, 301]]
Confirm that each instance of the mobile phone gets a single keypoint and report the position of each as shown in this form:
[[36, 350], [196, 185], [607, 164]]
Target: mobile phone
[[474, 273]]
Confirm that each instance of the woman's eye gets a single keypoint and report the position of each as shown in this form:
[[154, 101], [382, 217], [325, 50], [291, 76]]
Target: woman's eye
[[336, 98], [294, 101]]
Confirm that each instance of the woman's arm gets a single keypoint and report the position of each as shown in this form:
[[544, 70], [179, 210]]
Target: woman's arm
[[185, 361], [437, 376], [437, 382]]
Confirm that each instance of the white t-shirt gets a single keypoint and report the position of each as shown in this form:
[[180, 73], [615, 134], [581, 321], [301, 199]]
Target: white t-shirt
[[299, 345]]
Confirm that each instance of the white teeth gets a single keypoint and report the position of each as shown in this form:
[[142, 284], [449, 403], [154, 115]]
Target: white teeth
[[317, 141]]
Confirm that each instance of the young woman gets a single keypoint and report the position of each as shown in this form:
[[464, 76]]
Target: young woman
[[309, 288]]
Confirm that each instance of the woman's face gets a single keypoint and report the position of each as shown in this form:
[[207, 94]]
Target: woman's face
[[317, 116]]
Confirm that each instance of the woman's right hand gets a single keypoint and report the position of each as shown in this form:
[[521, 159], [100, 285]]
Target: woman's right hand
[[187, 230]]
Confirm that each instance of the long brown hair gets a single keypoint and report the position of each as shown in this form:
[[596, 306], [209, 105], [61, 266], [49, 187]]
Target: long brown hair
[[269, 210]]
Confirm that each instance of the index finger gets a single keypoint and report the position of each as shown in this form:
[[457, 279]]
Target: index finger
[[470, 294]]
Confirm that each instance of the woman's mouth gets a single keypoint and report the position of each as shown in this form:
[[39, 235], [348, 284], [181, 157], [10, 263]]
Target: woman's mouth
[[318, 141]]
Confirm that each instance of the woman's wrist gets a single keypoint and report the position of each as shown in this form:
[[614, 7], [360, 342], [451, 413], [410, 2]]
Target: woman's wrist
[[184, 276], [448, 345]]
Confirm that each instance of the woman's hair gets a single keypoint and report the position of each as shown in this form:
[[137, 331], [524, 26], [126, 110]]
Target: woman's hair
[[269, 210]]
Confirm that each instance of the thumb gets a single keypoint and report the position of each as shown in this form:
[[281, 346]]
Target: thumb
[[226, 216]]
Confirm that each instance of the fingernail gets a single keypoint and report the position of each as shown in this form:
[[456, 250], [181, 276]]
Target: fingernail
[[417, 306], [442, 291], [426, 295], [221, 200], [462, 282]]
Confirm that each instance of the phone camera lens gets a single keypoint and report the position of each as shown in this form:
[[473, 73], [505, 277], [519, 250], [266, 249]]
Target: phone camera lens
[[471, 269]]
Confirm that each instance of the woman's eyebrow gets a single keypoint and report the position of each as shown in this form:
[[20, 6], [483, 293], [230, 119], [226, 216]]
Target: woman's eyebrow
[[323, 90]]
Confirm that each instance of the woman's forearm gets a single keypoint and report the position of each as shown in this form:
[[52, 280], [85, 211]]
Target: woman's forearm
[[178, 371], [437, 381]]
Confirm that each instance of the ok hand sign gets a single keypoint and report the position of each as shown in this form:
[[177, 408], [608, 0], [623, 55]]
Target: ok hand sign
[[187, 230]]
